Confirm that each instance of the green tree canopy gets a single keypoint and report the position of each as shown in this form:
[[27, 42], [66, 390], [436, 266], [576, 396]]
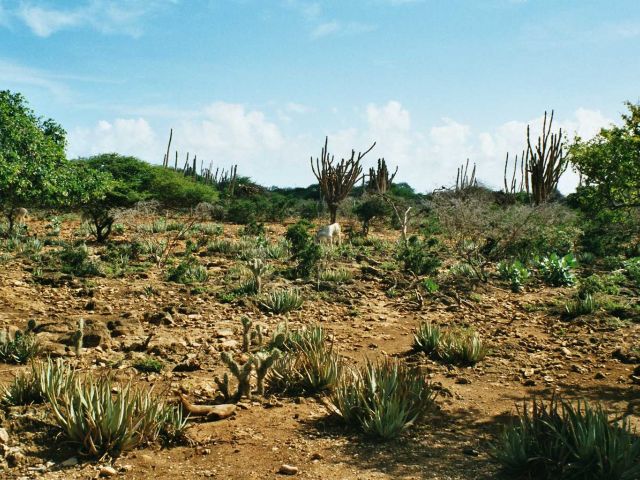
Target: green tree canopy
[[610, 164], [32, 157]]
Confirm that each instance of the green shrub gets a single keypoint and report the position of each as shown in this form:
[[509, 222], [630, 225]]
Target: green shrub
[[187, 272], [20, 349], [559, 439], [253, 229], [298, 236], [282, 301], [382, 399], [515, 273], [308, 259], [420, 256], [556, 271], [632, 270], [75, 261], [374, 207], [149, 365]]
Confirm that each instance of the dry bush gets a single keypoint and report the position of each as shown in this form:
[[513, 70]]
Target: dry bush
[[480, 231]]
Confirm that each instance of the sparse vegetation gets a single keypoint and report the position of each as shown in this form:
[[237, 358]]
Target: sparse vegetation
[[115, 268]]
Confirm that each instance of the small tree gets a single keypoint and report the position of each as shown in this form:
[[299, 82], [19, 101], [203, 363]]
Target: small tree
[[32, 158], [374, 207], [95, 192], [337, 180]]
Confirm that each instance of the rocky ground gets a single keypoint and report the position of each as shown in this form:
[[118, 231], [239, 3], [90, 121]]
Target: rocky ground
[[533, 352]]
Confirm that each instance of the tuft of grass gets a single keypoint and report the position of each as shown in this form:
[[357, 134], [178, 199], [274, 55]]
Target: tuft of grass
[[559, 439], [282, 301], [187, 272], [336, 275], [383, 399]]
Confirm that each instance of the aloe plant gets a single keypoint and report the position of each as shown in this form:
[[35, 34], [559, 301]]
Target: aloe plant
[[383, 399]]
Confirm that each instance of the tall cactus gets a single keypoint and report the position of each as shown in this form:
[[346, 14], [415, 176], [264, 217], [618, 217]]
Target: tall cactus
[[337, 180], [379, 179], [541, 164]]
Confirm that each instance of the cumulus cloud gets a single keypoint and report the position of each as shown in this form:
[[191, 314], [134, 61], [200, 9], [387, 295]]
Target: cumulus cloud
[[127, 136]]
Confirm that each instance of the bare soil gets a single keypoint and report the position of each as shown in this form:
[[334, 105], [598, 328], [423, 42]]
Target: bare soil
[[533, 352]]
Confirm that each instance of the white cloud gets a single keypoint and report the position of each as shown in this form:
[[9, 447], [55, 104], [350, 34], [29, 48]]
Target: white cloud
[[133, 136], [429, 159], [116, 16], [43, 22], [325, 29], [334, 27], [15, 75]]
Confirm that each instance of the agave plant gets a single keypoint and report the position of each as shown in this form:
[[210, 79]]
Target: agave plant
[[282, 301], [24, 390], [456, 346], [581, 305], [309, 366], [383, 399], [91, 415], [20, 349], [188, 272], [427, 338], [462, 347], [560, 439]]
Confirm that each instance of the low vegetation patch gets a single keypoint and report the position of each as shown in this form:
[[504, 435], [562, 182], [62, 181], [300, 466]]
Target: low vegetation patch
[[456, 346], [382, 399], [560, 439], [282, 301], [309, 365]]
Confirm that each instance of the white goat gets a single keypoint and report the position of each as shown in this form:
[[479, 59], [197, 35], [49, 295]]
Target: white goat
[[328, 232]]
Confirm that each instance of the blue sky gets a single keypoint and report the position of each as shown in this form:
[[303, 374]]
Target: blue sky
[[261, 82]]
